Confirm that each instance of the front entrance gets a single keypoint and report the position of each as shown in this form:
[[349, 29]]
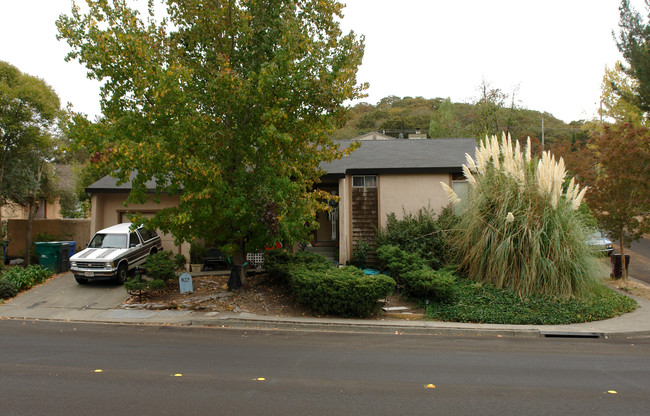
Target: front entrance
[[327, 234]]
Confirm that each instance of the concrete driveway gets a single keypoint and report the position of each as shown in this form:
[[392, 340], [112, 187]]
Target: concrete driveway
[[62, 294]]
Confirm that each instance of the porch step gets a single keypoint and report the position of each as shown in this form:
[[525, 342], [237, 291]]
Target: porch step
[[328, 252]]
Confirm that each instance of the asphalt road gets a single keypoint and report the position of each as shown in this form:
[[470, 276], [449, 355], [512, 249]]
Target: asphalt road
[[640, 259], [67, 369]]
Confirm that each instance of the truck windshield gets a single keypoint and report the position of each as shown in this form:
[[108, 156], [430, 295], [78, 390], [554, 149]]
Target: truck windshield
[[108, 241]]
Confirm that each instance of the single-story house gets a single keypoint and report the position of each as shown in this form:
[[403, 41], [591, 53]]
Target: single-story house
[[380, 177]]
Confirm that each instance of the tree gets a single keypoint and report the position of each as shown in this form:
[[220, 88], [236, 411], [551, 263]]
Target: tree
[[615, 91], [29, 112], [228, 104], [443, 124], [634, 43], [619, 180]]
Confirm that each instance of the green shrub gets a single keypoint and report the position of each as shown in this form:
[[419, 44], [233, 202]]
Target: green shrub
[[197, 252], [7, 289], [25, 278], [484, 303], [398, 262], [180, 261], [160, 266], [138, 285], [360, 254], [421, 233], [426, 283], [279, 262], [343, 291]]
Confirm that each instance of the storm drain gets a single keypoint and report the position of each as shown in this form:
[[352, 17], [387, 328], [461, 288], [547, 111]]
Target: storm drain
[[548, 334]]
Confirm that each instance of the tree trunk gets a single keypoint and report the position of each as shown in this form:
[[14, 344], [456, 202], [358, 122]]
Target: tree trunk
[[32, 208]]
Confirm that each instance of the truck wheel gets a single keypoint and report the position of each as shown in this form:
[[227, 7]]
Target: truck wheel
[[81, 280], [122, 272]]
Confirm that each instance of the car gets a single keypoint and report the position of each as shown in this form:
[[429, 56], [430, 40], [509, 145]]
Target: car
[[599, 241], [113, 252]]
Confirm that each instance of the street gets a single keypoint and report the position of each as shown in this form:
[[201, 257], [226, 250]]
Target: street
[[82, 369], [640, 259]]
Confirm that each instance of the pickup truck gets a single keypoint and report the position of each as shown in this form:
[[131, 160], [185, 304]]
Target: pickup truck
[[113, 252]]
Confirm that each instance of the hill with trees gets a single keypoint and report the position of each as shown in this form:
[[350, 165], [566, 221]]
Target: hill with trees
[[440, 118]]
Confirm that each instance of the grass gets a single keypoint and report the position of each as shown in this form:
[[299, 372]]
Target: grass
[[484, 303]]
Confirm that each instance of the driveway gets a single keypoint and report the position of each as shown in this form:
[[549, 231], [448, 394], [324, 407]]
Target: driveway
[[640, 259], [62, 293]]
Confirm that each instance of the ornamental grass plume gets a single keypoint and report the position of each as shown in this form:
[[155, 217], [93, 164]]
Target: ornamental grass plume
[[520, 229]]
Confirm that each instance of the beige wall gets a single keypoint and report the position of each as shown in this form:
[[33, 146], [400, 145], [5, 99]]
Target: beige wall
[[108, 209], [345, 217], [396, 193], [411, 192], [77, 230], [14, 211]]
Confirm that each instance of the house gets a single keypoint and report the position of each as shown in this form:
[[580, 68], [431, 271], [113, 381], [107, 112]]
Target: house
[[47, 208], [380, 177]]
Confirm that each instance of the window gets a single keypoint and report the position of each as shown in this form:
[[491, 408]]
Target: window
[[133, 239], [461, 187], [367, 181], [147, 234]]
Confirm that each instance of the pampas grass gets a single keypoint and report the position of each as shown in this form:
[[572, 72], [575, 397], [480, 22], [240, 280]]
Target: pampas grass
[[520, 229]]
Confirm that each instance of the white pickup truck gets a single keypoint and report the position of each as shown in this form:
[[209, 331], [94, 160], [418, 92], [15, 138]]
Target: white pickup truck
[[113, 252]]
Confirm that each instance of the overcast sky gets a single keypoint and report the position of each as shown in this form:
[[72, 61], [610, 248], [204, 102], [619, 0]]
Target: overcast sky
[[553, 51]]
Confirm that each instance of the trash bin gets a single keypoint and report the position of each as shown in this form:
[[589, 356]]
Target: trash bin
[[617, 265], [64, 260], [49, 255], [73, 245]]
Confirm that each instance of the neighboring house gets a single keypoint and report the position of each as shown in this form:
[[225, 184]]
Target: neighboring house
[[47, 209], [380, 177]]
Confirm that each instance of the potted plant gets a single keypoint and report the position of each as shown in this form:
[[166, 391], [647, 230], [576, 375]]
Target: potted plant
[[197, 254]]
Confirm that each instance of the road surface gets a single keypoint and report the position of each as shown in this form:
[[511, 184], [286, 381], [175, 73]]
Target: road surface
[[49, 368]]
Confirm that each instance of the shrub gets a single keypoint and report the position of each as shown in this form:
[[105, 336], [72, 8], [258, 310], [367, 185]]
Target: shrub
[[360, 254], [279, 262], [426, 283], [25, 278], [180, 261], [160, 266], [339, 291], [138, 285], [420, 233], [521, 229], [398, 262], [484, 303], [197, 252], [7, 289]]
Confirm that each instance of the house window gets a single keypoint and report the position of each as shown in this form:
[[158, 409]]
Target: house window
[[461, 187], [366, 181]]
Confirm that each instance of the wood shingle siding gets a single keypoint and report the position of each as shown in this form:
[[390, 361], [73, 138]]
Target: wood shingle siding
[[365, 217]]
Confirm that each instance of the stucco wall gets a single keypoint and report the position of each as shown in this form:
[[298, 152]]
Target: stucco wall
[[108, 209], [77, 230], [411, 192]]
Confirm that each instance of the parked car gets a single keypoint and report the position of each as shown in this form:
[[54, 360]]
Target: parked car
[[600, 242], [113, 252]]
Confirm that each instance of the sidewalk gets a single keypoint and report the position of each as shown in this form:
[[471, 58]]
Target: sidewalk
[[28, 306]]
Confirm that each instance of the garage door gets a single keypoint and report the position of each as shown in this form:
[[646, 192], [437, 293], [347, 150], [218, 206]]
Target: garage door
[[166, 239]]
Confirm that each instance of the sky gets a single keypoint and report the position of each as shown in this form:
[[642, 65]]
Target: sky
[[553, 53]]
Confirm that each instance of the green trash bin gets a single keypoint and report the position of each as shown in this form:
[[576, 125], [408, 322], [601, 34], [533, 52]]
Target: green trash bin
[[49, 255]]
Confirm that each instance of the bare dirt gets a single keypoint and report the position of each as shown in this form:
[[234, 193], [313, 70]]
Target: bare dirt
[[260, 295], [633, 287]]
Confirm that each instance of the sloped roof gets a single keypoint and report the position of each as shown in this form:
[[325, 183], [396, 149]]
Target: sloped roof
[[403, 156], [373, 157]]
